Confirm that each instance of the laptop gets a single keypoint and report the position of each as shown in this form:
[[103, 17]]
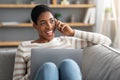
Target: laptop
[[40, 56]]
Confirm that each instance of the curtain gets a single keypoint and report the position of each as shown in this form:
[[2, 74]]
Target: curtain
[[117, 37], [110, 21]]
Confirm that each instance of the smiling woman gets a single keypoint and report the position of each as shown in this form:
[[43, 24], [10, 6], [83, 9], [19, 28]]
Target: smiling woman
[[45, 24]]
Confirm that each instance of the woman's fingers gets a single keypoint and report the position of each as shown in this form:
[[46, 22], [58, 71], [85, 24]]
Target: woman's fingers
[[59, 25], [63, 27]]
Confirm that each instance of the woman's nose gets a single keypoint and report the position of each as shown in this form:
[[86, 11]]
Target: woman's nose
[[49, 25]]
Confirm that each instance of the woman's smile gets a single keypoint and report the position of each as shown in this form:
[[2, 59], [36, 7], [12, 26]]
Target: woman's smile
[[49, 33]]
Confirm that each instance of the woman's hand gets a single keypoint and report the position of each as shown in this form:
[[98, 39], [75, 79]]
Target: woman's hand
[[64, 28]]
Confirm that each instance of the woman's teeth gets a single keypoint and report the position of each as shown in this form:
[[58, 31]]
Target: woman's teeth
[[49, 32]]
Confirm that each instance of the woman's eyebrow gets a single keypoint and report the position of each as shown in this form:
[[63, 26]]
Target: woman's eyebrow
[[46, 20], [42, 20]]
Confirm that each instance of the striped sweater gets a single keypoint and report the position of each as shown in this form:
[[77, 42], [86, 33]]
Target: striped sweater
[[80, 40]]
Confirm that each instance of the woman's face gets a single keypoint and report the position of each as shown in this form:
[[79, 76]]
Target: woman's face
[[45, 26]]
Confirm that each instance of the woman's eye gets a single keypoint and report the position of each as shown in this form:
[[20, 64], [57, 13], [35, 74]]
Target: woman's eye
[[42, 23], [52, 21]]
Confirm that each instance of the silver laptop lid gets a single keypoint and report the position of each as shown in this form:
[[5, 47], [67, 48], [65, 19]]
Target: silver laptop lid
[[40, 56]]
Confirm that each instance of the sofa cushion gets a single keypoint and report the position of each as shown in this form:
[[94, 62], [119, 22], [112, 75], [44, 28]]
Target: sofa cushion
[[100, 62], [6, 65]]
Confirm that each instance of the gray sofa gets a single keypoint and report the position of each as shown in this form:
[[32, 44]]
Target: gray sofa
[[99, 62]]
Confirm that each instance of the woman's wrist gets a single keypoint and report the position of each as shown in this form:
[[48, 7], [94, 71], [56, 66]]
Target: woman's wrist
[[72, 33]]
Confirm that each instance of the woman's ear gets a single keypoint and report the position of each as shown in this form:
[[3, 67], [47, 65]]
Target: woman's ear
[[35, 25]]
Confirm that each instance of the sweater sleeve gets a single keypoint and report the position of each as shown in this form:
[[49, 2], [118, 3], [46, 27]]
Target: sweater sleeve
[[20, 66], [84, 39]]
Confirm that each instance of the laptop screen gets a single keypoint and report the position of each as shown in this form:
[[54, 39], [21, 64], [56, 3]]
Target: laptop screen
[[40, 56]]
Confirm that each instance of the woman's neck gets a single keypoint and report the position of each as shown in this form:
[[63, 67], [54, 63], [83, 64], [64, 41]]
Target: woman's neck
[[40, 41]]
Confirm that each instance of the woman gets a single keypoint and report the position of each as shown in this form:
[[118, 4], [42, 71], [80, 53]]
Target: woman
[[45, 24]]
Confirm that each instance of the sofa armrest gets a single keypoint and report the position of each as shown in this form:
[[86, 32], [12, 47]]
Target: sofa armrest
[[101, 62], [6, 65]]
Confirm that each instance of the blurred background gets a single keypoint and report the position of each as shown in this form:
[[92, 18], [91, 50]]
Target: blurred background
[[101, 16]]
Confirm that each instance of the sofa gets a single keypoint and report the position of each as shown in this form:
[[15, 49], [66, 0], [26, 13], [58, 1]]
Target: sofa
[[98, 62]]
